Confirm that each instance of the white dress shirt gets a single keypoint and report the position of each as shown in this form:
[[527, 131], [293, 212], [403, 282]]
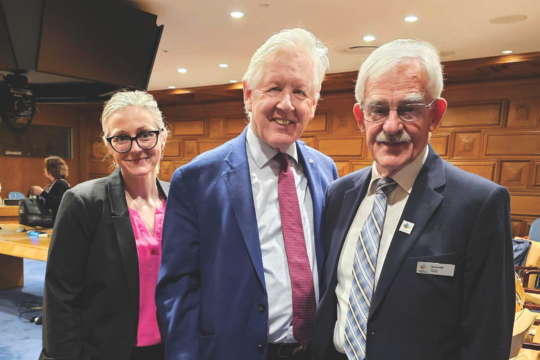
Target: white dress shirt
[[264, 173], [397, 199]]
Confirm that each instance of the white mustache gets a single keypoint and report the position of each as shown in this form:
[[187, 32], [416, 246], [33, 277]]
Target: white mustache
[[393, 138]]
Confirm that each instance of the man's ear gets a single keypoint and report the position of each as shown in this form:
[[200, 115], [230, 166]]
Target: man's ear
[[438, 111], [247, 97], [359, 115]]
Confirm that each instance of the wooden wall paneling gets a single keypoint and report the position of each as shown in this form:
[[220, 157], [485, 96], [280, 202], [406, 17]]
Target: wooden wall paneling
[[440, 141], [512, 144], [310, 141], [98, 167], [173, 148], [526, 204], [217, 127], [358, 165], [515, 175], [517, 226], [166, 170], [475, 114], [319, 124], [343, 167], [523, 113], [190, 128], [486, 169], [341, 146], [205, 145], [526, 227], [190, 148], [467, 145], [235, 125], [535, 176]]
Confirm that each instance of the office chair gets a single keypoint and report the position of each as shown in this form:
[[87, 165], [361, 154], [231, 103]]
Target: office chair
[[16, 195]]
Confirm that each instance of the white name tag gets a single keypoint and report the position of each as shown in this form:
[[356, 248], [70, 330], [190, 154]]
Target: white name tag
[[435, 269]]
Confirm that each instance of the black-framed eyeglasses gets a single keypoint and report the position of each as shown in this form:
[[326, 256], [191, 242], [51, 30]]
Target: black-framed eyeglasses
[[146, 140], [407, 112]]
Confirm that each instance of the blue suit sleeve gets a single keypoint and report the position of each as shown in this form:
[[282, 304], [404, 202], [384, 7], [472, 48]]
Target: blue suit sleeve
[[489, 294], [177, 292]]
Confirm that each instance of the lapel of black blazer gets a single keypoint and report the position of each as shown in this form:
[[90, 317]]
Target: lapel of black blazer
[[421, 205], [125, 236], [351, 201], [238, 183], [313, 175]]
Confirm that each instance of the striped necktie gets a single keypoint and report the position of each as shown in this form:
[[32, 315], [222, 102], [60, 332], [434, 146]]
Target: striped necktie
[[364, 265]]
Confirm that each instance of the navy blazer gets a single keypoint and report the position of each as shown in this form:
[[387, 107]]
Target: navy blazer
[[460, 219], [211, 296]]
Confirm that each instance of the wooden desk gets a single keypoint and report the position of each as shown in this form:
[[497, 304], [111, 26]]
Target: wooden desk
[[9, 214], [14, 246]]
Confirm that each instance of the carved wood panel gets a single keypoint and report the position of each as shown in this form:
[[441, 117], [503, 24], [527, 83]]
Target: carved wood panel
[[515, 174], [523, 113], [467, 145]]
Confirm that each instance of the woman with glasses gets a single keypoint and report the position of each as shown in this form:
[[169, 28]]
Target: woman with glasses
[[106, 246]]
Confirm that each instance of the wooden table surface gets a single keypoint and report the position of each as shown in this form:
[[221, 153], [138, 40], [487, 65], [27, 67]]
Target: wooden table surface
[[20, 244], [9, 210]]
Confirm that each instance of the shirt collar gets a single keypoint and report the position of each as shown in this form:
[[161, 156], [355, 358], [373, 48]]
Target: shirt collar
[[261, 152], [404, 177]]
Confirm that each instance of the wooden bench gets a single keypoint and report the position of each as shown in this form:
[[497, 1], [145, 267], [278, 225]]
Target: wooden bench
[[16, 246]]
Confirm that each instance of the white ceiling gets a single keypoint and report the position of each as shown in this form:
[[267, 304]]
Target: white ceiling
[[200, 34]]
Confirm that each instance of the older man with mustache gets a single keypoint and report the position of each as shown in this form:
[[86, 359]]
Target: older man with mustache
[[418, 253]]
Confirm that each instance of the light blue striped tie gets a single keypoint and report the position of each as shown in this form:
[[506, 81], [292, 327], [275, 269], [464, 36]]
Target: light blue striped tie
[[364, 265]]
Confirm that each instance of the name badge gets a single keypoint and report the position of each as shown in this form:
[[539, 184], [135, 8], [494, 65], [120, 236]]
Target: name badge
[[435, 269]]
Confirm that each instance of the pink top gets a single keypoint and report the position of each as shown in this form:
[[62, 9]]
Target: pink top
[[149, 252]]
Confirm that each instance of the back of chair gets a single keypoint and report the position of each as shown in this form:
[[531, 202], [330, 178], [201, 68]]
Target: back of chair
[[533, 259], [16, 195], [520, 294], [534, 231], [523, 321]]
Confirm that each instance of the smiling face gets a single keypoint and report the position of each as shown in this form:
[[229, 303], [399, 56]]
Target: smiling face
[[394, 143], [132, 121], [284, 101]]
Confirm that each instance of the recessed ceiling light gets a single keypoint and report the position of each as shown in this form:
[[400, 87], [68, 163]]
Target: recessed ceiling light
[[506, 52], [264, 5], [223, 65], [411, 18], [182, 70], [321, 50], [446, 53], [237, 14], [369, 38], [172, 87], [233, 81]]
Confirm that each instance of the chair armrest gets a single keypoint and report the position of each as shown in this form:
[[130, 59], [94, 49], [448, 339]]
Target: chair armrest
[[531, 346], [526, 274]]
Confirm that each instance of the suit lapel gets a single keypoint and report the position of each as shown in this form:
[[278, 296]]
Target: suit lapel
[[312, 172], [351, 201], [238, 185], [421, 205], [125, 237]]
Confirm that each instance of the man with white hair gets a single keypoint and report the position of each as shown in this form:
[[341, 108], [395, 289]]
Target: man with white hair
[[242, 247], [418, 253]]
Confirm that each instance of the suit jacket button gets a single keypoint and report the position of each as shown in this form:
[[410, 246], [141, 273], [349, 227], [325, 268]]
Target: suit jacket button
[[260, 349], [262, 307]]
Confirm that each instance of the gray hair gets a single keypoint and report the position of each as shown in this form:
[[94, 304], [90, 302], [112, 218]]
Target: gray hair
[[389, 55], [297, 39], [122, 100]]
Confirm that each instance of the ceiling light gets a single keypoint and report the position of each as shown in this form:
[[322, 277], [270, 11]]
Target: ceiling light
[[369, 38], [172, 87], [233, 81], [506, 52], [223, 65], [182, 70], [411, 18], [321, 50], [237, 14], [508, 19]]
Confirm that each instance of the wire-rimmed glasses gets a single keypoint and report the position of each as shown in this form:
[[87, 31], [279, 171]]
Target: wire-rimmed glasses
[[408, 113]]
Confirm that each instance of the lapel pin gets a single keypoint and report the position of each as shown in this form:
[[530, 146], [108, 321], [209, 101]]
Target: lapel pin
[[311, 161], [406, 227]]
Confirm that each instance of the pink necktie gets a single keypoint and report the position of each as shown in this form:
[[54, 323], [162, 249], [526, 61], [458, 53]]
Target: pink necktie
[[303, 292]]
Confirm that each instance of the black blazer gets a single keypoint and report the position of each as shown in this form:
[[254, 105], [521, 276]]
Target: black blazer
[[54, 195], [460, 219], [91, 303]]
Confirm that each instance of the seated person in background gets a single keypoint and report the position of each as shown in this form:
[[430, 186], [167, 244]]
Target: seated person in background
[[56, 170]]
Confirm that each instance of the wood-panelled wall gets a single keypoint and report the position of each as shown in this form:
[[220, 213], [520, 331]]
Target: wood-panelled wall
[[491, 129], [20, 173]]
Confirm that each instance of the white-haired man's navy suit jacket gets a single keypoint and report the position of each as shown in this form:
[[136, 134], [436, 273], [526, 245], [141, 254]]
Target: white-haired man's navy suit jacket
[[211, 295], [459, 219]]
